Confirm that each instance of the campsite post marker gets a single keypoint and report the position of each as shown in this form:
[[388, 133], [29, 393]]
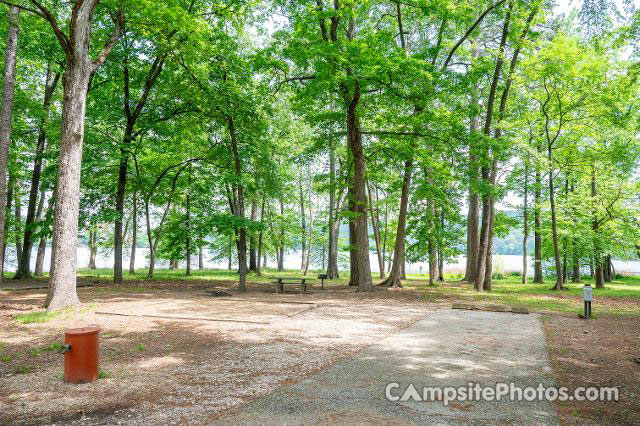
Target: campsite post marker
[[587, 297]]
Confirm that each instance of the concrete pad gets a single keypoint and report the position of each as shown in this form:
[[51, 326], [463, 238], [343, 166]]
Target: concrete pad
[[448, 348]]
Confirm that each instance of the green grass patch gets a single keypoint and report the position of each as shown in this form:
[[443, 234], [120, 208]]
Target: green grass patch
[[40, 316], [620, 297], [24, 369], [54, 347]]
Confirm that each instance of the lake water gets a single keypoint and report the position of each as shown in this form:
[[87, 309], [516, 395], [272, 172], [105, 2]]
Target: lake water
[[104, 259]]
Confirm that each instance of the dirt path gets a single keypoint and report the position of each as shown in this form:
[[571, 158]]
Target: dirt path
[[448, 348]]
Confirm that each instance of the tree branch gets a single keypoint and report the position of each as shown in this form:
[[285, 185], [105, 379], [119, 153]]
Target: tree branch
[[119, 22], [62, 37], [27, 9], [469, 31]]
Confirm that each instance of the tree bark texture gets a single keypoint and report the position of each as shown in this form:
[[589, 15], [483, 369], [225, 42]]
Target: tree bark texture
[[6, 118]]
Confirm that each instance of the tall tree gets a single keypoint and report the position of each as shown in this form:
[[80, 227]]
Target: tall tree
[[79, 68], [7, 113], [24, 260]]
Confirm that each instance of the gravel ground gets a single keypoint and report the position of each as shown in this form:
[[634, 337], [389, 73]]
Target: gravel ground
[[164, 371]]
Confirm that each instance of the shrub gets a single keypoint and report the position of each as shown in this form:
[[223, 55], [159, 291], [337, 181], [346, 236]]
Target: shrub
[[498, 276]]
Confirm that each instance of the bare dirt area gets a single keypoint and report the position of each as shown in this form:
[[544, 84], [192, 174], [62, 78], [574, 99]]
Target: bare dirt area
[[601, 352], [170, 354]]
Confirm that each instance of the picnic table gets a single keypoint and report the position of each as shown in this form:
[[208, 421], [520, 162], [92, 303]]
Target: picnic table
[[280, 282]]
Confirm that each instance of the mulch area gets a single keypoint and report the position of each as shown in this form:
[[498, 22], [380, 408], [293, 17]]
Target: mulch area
[[600, 352]]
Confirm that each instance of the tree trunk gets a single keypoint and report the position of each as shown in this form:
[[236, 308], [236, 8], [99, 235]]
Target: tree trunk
[[42, 245], [537, 237], [118, 237], [310, 248], [376, 233], [131, 116], [440, 249], [153, 244], [253, 261], [608, 269], [6, 118], [487, 283], [394, 278], [303, 227], [24, 261], [353, 244], [311, 228], [152, 253], [564, 261], [472, 237], [134, 233], [79, 68], [433, 273], [488, 276], [188, 226], [431, 244], [200, 258], [93, 247], [598, 270], [576, 263], [6, 223], [280, 254], [481, 266], [361, 269], [554, 230], [62, 284], [239, 206], [39, 209], [487, 201], [260, 236], [525, 221], [386, 232], [17, 210], [474, 205], [334, 222]]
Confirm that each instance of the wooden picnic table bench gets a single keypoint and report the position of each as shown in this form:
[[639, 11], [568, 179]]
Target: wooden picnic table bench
[[280, 282]]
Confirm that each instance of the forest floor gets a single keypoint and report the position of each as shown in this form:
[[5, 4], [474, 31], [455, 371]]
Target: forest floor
[[160, 369]]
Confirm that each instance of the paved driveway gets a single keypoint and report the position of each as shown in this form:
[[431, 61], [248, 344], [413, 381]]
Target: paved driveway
[[447, 348]]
